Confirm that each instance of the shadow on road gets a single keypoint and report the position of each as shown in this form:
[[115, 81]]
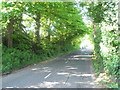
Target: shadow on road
[[73, 70]]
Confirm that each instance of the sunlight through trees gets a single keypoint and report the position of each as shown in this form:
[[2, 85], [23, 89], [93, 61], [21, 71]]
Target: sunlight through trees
[[36, 31]]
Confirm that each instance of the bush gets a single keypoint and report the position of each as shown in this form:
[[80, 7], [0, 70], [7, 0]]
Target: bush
[[13, 59], [107, 56]]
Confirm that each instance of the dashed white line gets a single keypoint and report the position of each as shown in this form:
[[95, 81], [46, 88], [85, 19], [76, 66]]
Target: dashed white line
[[47, 75]]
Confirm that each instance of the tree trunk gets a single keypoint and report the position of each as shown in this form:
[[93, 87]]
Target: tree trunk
[[49, 29], [9, 33], [97, 41], [37, 19]]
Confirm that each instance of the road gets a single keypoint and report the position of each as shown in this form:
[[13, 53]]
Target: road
[[73, 70]]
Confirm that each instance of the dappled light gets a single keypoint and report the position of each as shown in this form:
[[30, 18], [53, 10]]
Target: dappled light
[[82, 75], [34, 69], [45, 85], [12, 87], [81, 56], [59, 44], [44, 69], [72, 68], [61, 75], [78, 59]]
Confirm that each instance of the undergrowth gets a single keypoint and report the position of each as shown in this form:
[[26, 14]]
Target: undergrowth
[[13, 59]]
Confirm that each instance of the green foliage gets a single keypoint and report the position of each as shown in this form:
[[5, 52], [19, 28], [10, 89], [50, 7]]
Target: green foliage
[[106, 45], [97, 48], [13, 59], [111, 56], [56, 29], [96, 12], [107, 55], [62, 16]]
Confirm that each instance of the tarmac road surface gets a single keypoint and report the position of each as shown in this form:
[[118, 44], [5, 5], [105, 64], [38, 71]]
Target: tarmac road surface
[[73, 70]]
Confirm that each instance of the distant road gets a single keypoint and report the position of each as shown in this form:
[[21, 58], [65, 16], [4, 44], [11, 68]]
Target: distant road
[[73, 70]]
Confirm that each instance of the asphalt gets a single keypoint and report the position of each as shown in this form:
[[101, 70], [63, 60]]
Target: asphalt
[[73, 70]]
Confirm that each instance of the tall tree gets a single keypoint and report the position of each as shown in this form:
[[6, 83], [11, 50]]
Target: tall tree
[[10, 32]]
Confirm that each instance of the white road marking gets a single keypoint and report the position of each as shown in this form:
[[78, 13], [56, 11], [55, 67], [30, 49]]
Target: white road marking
[[66, 61], [47, 75]]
